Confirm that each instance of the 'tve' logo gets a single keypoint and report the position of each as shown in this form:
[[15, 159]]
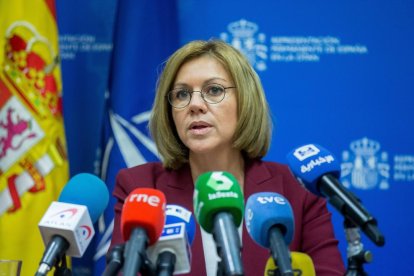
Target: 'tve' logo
[[152, 200], [271, 199]]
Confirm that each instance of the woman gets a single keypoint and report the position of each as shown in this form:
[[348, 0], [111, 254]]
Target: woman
[[210, 114]]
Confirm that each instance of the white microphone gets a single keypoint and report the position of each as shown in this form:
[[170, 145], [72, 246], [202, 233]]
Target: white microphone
[[171, 253], [71, 222], [67, 225]]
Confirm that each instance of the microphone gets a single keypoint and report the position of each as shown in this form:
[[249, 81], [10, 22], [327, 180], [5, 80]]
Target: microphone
[[319, 171], [67, 225], [176, 213], [142, 221], [173, 247], [218, 208], [269, 222], [115, 259], [301, 263]]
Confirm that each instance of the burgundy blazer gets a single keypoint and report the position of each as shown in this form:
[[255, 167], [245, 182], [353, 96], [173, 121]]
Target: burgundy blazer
[[313, 235]]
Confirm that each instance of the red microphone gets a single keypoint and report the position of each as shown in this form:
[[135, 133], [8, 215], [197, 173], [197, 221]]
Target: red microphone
[[142, 221]]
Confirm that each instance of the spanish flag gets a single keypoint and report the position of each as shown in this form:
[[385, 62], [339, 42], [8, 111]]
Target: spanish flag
[[33, 161]]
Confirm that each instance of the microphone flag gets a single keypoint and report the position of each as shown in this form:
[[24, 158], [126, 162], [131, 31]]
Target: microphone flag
[[218, 207], [142, 221], [319, 171], [176, 239]]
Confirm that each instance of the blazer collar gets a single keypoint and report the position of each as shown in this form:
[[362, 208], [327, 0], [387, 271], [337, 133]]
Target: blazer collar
[[258, 178], [256, 172], [181, 178]]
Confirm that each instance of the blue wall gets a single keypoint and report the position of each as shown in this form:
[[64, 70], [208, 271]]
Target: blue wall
[[335, 73]]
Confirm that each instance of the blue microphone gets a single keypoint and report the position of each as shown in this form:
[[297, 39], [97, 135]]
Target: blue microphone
[[270, 223], [67, 225], [319, 171], [89, 190]]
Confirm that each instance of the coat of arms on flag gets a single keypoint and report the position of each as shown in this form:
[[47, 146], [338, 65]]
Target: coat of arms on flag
[[33, 160]]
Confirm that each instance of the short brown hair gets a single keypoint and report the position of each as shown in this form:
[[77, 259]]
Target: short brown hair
[[253, 131]]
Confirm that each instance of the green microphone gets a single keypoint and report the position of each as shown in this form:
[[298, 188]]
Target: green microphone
[[218, 208]]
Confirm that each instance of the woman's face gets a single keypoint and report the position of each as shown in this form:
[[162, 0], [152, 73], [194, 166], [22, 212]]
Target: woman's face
[[201, 126]]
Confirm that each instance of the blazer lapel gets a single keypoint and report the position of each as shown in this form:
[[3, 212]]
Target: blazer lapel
[[258, 179]]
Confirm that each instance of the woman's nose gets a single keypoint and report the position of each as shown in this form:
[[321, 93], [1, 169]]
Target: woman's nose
[[197, 103]]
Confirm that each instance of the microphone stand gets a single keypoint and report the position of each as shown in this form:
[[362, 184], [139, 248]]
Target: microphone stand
[[220, 268], [148, 268], [225, 234], [356, 254], [166, 263], [114, 260], [62, 269]]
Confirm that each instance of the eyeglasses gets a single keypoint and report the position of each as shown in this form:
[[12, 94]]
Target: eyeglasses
[[212, 93]]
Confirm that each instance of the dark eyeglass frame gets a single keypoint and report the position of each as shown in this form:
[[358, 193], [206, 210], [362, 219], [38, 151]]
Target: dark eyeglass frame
[[202, 93]]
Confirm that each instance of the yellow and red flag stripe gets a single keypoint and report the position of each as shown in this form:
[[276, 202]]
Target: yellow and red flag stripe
[[33, 161]]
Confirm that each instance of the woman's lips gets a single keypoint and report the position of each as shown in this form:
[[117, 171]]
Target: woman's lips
[[199, 128]]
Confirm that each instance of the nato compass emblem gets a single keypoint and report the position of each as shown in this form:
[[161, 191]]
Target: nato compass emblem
[[130, 140], [242, 35], [125, 133], [365, 166]]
